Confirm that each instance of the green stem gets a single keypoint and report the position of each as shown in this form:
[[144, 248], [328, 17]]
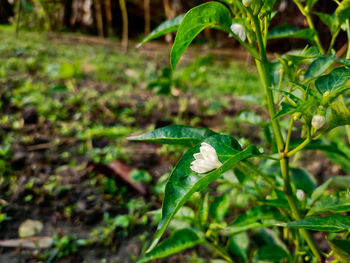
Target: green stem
[[291, 122], [333, 41], [294, 208], [220, 251], [311, 24], [263, 68], [299, 147], [348, 34]]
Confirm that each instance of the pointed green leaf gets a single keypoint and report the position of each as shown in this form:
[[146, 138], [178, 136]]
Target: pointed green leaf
[[335, 203], [219, 207], [318, 66], [287, 31], [198, 18], [286, 109], [256, 217], [272, 253], [341, 248], [319, 192], [328, 20], [183, 182], [164, 28], [303, 180], [333, 81], [176, 135], [238, 244], [332, 223], [343, 11], [180, 240], [340, 115], [311, 3]]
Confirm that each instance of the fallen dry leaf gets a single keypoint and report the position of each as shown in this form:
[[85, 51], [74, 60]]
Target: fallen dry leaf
[[122, 171]]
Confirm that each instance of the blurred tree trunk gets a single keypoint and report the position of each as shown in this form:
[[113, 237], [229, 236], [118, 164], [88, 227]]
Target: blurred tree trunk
[[169, 13], [125, 24], [109, 17], [18, 15], [147, 10], [99, 18], [67, 13]]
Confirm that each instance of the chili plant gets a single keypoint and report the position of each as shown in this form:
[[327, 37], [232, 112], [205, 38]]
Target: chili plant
[[305, 87]]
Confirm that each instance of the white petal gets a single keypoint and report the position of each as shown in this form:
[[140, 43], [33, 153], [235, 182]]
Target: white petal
[[199, 170], [208, 152], [198, 156], [239, 30], [203, 163]]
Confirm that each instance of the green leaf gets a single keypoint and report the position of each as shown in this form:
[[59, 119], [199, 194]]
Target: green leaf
[[336, 203], [286, 109], [341, 248], [176, 135], [238, 244], [318, 66], [345, 62], [272, 253], [164, 28], [332, 223], [320, 144], [328, 20], [310, 3], [256, 217], [303, 180], [287, 31], [183, 182], [319, 192], [341, 182], [343, 11], [340, 115], [198, 18], [219, 207], [180, 240], [333, 81]]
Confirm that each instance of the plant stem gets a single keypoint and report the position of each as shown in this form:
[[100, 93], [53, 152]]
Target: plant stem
[[311, 24], [220, 251], [291, 122], [348, 34], [263, 68], [299, 147], [334, 36]]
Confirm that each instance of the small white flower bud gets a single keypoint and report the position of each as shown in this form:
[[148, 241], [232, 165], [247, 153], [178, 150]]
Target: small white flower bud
[[318, 122], [206, 160], [247, 3], [300, 194], [239, 30]]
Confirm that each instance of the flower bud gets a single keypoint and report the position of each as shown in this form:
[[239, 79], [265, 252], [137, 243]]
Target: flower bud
[[318, 122], [239, 30], [300, 194], [247, 3]]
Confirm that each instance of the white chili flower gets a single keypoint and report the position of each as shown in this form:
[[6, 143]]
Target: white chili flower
[[247, 3], [206, 160], [318, 122], [239, 30], [300, 194]]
